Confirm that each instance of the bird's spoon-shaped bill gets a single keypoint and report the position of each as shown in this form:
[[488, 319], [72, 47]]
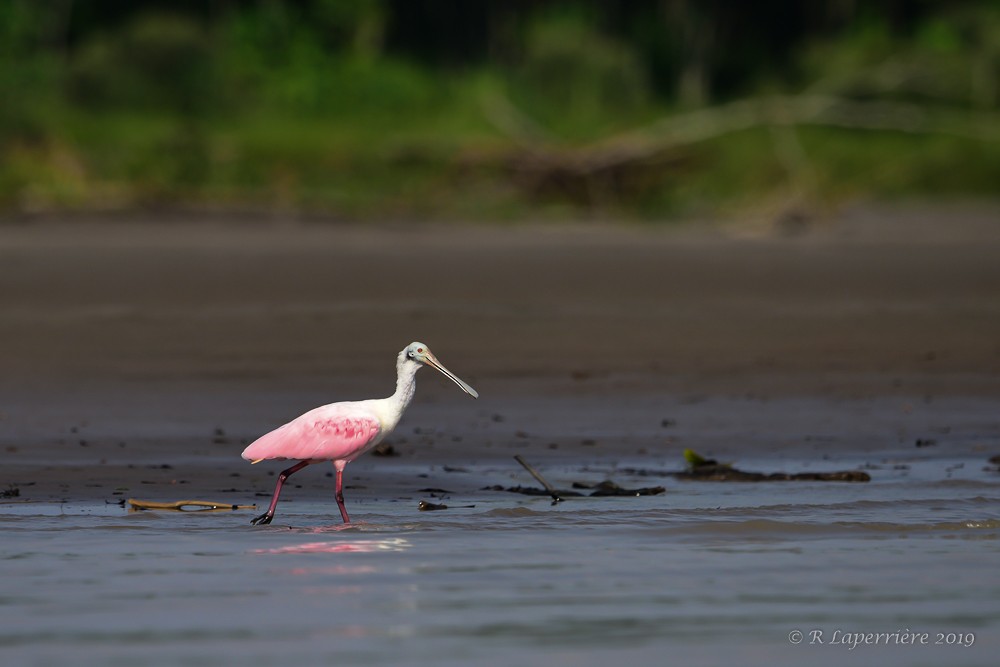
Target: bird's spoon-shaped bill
[[434, 363]]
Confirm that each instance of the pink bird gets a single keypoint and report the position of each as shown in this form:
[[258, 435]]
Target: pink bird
[[341, 432]]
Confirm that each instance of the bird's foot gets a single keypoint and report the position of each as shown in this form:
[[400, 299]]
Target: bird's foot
[[262, 520]]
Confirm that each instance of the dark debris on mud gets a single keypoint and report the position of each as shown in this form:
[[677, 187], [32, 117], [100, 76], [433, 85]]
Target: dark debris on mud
[[602, 489], [725, 473]]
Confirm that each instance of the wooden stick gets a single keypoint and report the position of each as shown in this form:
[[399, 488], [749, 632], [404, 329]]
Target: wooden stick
[[181, 504], [534, 473], [684, 129]]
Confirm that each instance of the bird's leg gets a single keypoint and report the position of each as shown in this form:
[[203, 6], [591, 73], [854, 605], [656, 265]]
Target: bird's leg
[[266, 517], [340, 493]]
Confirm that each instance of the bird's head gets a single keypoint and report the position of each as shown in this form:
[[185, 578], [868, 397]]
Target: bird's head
[[419, 353]]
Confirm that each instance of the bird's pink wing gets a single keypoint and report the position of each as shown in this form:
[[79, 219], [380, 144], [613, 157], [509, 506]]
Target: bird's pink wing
[[329, 433]]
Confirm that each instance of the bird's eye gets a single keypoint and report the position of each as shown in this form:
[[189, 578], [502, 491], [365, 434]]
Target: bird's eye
[[420, 349]]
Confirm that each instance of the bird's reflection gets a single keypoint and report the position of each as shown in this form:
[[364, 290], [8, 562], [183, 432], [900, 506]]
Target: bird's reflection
[[352, 546]]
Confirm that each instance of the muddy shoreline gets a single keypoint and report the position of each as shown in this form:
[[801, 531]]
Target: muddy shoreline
[[152, 351]]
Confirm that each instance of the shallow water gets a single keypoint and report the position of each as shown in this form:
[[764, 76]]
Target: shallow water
[[707, 572]]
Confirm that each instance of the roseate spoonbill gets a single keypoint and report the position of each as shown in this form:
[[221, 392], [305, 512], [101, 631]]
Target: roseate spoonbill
[[341, 432]]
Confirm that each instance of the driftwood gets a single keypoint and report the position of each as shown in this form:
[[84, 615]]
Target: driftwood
[[612, 166], [683, 129], [203, 505], [541, 480]]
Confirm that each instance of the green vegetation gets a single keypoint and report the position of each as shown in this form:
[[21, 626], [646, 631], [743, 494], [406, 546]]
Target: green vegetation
[[371, 109]]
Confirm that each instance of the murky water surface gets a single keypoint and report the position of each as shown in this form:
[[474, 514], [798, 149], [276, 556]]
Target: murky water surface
[[706, 572]]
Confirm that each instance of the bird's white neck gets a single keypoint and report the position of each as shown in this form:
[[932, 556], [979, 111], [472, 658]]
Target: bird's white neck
[[406, 384]]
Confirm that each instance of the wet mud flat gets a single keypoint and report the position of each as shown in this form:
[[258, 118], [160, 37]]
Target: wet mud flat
[[140, 359]]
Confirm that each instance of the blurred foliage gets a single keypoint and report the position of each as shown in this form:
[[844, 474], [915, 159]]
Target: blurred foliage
[[155, 62], [402, 109], [574, 79]]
